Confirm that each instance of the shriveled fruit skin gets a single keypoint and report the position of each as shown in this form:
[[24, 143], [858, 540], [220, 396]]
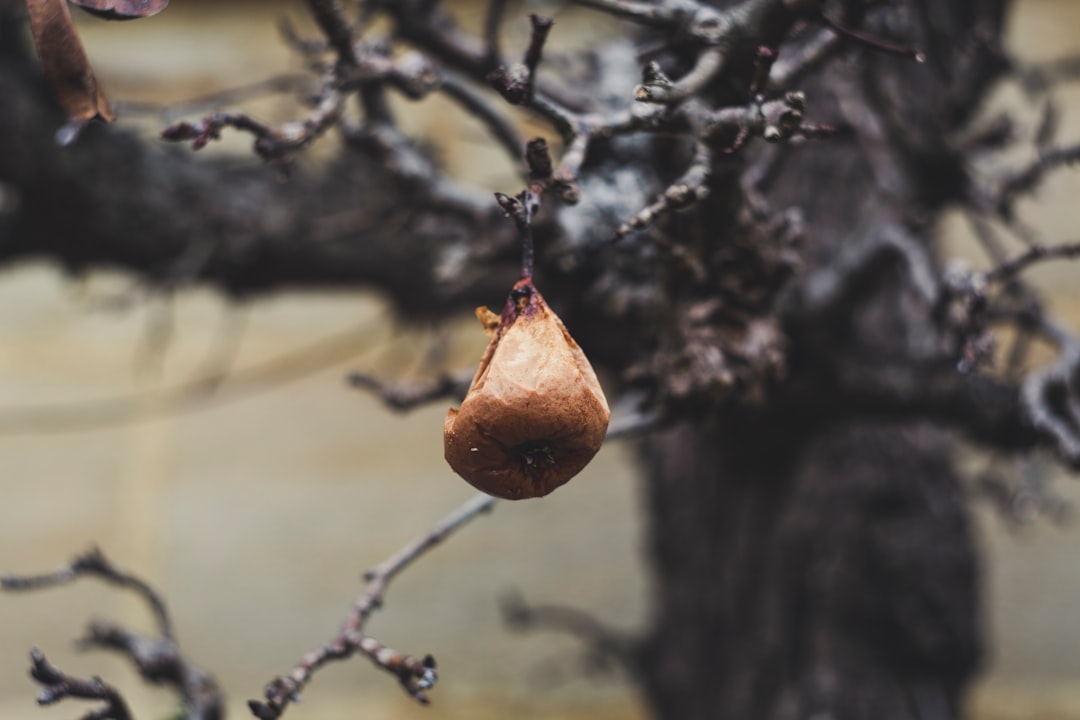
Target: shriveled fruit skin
[[535, 414]]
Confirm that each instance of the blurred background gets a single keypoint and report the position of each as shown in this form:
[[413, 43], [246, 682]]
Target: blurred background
[[216, 450]]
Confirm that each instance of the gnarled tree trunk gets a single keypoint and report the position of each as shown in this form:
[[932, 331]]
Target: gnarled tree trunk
[[811, 554], [807, 572]]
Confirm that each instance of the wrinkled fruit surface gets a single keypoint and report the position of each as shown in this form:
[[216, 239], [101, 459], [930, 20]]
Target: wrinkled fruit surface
[[534, 415]]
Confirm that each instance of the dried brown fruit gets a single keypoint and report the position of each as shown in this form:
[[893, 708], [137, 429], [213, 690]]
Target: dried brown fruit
[[535, 414], [64, 61]]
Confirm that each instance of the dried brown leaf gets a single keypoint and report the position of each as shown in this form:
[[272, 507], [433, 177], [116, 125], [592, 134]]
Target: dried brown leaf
[[64, 61]]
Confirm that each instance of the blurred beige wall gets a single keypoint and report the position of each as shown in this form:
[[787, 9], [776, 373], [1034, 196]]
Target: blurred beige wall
[[255, 515], [255, 509]]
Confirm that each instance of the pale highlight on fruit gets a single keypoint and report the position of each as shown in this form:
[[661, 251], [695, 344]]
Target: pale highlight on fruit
[[534, 415]]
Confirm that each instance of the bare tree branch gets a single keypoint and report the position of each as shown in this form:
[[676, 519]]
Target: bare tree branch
[[330, 17], [492, 25], [416, 676], [1010, 269], [158, 659], [94, 564], [1039, 78], [270, 143], [59, 686], [656, 88], [407, 396], [1027, 180], [1051, 396], [599, 640]]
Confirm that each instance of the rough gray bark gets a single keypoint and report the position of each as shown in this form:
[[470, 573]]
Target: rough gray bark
[[807, 533], [818, 573]]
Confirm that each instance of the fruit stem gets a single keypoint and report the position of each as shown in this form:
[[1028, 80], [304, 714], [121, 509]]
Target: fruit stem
[[520, 210], [526, 251]]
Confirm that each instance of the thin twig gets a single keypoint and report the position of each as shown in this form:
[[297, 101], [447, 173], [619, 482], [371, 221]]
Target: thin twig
[[492, 25], [790, 68], [476, 105], [597, 636], [517, 84], [380, 576], [1039, 78], [94, 564], [655, 14], [1049, 395], [871, 41], [416, 675], [158, 659], [541, 26], [330, 17], [308, 48], [682, 193], [655, 90], [271, 143], [1027, 180], [407, 396], [520, 210], [58, 686], [1036, 253]]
